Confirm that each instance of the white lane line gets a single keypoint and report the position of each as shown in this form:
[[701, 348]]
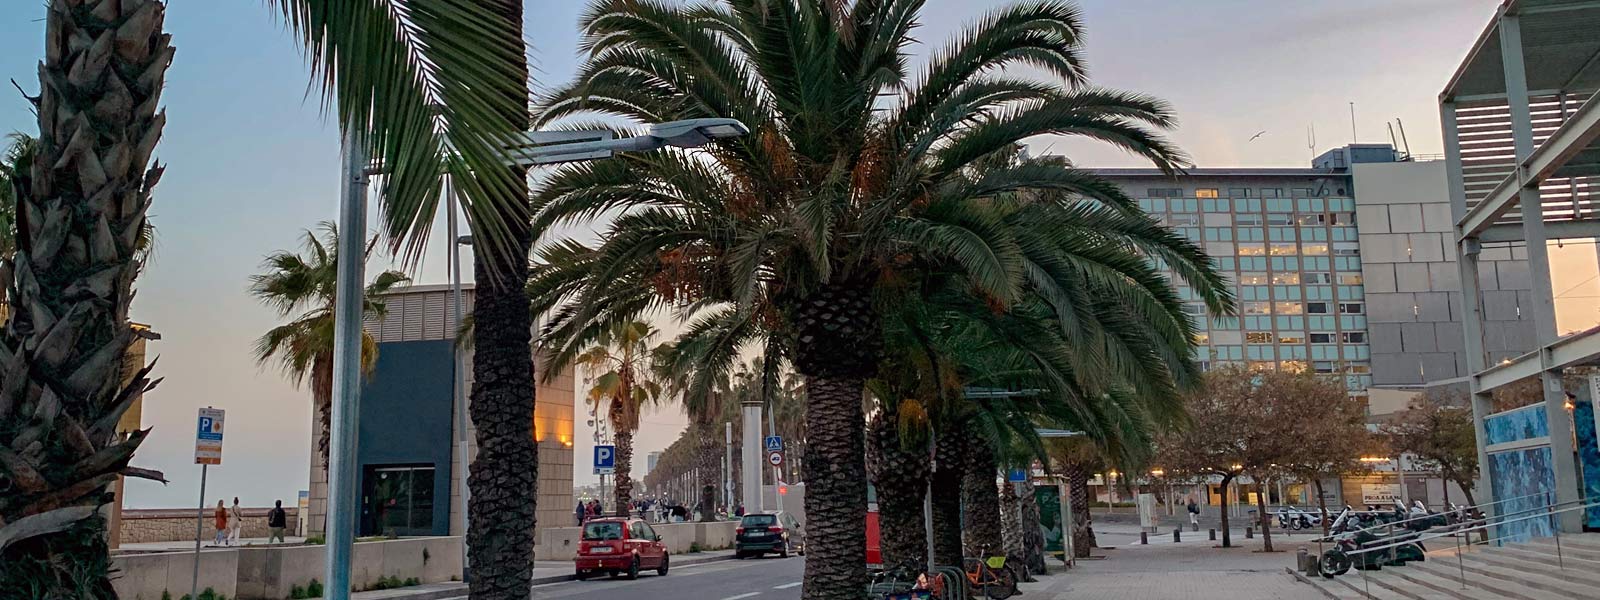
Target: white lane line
[[742, 596], [787, 586]]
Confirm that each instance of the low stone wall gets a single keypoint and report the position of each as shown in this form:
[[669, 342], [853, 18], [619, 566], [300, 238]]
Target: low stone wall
[[715, 536], [173, 525], [561, 543], [270, 572]]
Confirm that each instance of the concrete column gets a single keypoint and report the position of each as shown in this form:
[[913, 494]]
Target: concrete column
[[753, 458], [1544, 313]]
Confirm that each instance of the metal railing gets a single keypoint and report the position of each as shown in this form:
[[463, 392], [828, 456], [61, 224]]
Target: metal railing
[[1466, 509]]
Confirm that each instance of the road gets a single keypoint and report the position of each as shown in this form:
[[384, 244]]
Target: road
[[754, 579]]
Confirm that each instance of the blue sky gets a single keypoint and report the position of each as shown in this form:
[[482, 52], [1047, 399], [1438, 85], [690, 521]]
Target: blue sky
[[252, 161]]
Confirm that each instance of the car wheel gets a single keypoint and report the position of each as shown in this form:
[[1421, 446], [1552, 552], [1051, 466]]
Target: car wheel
[[633, 569], [663, 570], [581, 575], [783, 551], [738, 555]]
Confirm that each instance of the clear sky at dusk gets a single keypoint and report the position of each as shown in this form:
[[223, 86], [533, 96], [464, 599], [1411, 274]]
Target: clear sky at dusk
[[251, 161]]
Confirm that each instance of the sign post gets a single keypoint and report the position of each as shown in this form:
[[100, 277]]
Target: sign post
[[207, 452], [774, 447]]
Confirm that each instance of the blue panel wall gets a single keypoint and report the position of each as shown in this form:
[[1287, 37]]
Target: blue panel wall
[[1588, 458], [406, 415], [1520, 424], [1516, 474]]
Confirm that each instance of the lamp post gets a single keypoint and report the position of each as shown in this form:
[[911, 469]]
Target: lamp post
[[530, 149]]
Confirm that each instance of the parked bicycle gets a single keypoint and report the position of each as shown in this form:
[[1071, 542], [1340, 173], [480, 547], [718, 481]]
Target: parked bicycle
[[989, 575], [905, 581]]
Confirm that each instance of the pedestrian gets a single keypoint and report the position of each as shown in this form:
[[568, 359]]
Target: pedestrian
[[277, 520], [221, 518], [235, 522], [739, 511], [1194, 513], [580, 511]]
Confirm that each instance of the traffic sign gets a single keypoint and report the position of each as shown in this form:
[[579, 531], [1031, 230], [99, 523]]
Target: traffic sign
[[774, 443], [775, 458], [605, 460], [1017, 476], [208, 437]]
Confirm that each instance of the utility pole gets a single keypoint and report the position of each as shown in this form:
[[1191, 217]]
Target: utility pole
[[727, 465]]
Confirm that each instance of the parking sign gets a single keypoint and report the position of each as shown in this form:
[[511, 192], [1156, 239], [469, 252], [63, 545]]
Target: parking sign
[[208, 437], [605, 460]]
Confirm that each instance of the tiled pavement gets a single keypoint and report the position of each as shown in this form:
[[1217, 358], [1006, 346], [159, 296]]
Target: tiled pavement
[[1187, 571]]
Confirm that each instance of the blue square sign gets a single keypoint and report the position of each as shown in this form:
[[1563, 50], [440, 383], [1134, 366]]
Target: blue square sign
[[774, 443], [605, 460]]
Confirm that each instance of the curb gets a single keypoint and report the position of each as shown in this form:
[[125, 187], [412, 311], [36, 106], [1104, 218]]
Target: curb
[[459, 590], [547, 580]]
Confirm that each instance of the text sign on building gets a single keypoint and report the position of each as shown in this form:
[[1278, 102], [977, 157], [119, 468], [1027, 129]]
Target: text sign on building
[[605, 460], [774, 443], [208, 437], [1379, 493]]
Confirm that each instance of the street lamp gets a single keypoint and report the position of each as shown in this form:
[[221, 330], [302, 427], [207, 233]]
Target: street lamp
[[529, 149]]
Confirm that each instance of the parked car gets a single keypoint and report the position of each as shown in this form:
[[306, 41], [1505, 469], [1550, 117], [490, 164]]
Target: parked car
[[620, 546], [769, 531]]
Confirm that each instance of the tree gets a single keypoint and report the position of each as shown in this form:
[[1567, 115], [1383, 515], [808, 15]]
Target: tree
[[1077, 460], [1334, 448], [679, 364], [303, 286], [1437, 430], [80, 207], [620, 363], [802, 227], [436, 87]]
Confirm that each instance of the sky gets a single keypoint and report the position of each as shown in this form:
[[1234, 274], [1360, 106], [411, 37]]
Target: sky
[[252, 161]]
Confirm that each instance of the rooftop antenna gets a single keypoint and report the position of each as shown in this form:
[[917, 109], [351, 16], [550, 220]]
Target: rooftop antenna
[[1403, 141], [1392, 141], [1352, 122], [1311, 140]]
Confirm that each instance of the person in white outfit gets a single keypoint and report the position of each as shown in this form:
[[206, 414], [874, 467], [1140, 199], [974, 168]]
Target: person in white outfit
[[235, 522]]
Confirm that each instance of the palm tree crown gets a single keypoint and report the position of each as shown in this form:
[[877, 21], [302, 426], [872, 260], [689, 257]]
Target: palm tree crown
[[624, 383]]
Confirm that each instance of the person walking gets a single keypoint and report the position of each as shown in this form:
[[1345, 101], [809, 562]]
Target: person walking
[[580, 511], [221, 521], [1194, 514], [276, 521], [235, 522]]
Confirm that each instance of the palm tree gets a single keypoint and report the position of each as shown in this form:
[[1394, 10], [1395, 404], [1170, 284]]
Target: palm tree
[[620, 362], [302, 286], [709, 399], [81, 206], [417, 80], [805, 228]]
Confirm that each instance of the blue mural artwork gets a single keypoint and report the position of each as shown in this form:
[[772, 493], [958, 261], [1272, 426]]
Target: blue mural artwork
[[1528, 478], [1588, 459], [1524, 423]]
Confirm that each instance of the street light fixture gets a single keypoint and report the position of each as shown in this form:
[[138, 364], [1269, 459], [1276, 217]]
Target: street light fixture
[[549, 147]]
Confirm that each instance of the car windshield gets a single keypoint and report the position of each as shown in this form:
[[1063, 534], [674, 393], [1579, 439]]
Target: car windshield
[[759, 520], [603, 531]]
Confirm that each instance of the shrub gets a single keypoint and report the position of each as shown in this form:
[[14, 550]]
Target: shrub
[[166, 595], [410, 581], [316, 540], [297, 593], [314, 589], [694, 547]]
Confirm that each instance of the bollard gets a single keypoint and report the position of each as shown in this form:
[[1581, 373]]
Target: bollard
[[1177, 535], [1213, 535], [1303, 558], [1249, 533], [1196, 526], [1144, 538]]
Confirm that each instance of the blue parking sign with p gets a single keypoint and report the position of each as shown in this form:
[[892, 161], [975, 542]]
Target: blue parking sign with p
[[605, 460], [774, 443]]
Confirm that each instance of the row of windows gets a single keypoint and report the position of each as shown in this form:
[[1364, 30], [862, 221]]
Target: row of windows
[[1326, 367], [1324, 293], [1213, 204], [1295, 278], [1295, 337], [1283, 323], [1283, 263], [1278, 234], [1301, 308], [1283, 352]]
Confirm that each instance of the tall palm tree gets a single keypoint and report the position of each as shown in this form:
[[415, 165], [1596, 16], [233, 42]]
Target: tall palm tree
[[624, 381], [855, 169], [302, 286], [709, 399], [80, 209], [418, 80]]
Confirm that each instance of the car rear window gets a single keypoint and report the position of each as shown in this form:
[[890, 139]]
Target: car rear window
[[602, 531], [759, 520]]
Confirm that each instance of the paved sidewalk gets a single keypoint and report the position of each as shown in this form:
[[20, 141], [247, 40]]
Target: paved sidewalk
[[544, 573], [1187, 571]]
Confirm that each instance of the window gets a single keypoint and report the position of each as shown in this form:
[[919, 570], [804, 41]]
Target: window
[[1247, 220], [1257, 337], [1239, 192], [1352, 308], [1321, 337], [1280, 219], [1317, 308], [1349, 279], [1257, 308], [1164, 193], [1179, 220], [1304, 192], [1252, 250], [1194, 310], [1323, 366], [603, 530], [1315, 249], [1342, 218], [1289, 308], [397, 499], [1346, 249], [1284, 250], [1262, 366], [1316, 278], [1271, 192], [1202, 339], [1205, 193], [1310, 220], [1289, 278], [758, 520], [1355, 337], [1252, 279], [1358, 368], [1291, 338]]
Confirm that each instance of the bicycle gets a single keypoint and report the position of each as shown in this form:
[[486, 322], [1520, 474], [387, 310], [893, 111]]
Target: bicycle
[[989, 575], [903, 582]]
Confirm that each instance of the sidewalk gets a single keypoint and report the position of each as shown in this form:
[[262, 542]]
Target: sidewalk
[[188, 545], [1188, 571], [544, 572]]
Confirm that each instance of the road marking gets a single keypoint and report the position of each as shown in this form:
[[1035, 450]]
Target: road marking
[[742, 596], [787, 586]]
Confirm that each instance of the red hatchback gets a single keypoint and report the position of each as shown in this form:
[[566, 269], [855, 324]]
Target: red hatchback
[[620, 547]]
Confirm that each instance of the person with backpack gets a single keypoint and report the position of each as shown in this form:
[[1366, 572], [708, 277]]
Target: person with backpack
[[1194, 514], [277, 520]]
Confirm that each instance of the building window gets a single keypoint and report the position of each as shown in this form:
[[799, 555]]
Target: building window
[[1257, 308], [397, 499], [1349, 279], [1304, 192], [1311, 220], [1257, 337], [1247, 220], [1252, 279], [1239, 192], [1262, 366], [1316, 278], [1194, 309], [1284, 250], [1346, 249], [1317, 308], [1271, 192], [1294, 366], [1289, 308], [1358, 368], [1203, 338], [1252, 250], [1342, 218], [1291, 338], [1287, 278], [1206, 193], [1352, 308], [1180, 220], [1355, 337], [1280, 219], [1324, 366], [1321, 337], [1314, 249]]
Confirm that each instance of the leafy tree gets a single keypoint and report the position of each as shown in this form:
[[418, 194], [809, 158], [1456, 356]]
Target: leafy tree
[[803, 227], [81, 202], [1437, 429], [302, 286], [620, 362], [1335, 446]]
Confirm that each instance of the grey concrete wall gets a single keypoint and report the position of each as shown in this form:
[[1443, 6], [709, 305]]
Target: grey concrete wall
[[147, 576], [270, 572]]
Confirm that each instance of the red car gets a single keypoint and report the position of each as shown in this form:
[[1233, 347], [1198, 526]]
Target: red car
[[620, 547]]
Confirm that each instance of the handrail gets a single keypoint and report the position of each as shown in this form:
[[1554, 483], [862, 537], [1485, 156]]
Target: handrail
[[1455, 528], [1422, 537], [1468, 509]]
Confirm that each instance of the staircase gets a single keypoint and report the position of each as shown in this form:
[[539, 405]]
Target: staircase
[[1526, 571]]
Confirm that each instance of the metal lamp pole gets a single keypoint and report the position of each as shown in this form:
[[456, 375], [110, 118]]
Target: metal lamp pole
[[459, 381]]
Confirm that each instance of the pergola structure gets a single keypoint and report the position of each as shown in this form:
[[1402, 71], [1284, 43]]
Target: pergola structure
[[1520, 138]]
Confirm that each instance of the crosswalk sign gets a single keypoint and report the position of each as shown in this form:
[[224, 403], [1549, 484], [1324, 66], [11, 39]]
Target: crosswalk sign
[[774, 443]]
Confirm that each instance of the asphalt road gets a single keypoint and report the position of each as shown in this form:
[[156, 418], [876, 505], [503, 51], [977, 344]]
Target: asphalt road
[[751, 579]]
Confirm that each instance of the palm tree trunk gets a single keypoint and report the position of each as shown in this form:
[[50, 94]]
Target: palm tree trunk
[[980, 500], [505, 474], [322, 395], [624, 483], [836, 490], [1077, 475], [79, 213], [710, 472], [901, 478], [1032, 537], [949, 465]]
